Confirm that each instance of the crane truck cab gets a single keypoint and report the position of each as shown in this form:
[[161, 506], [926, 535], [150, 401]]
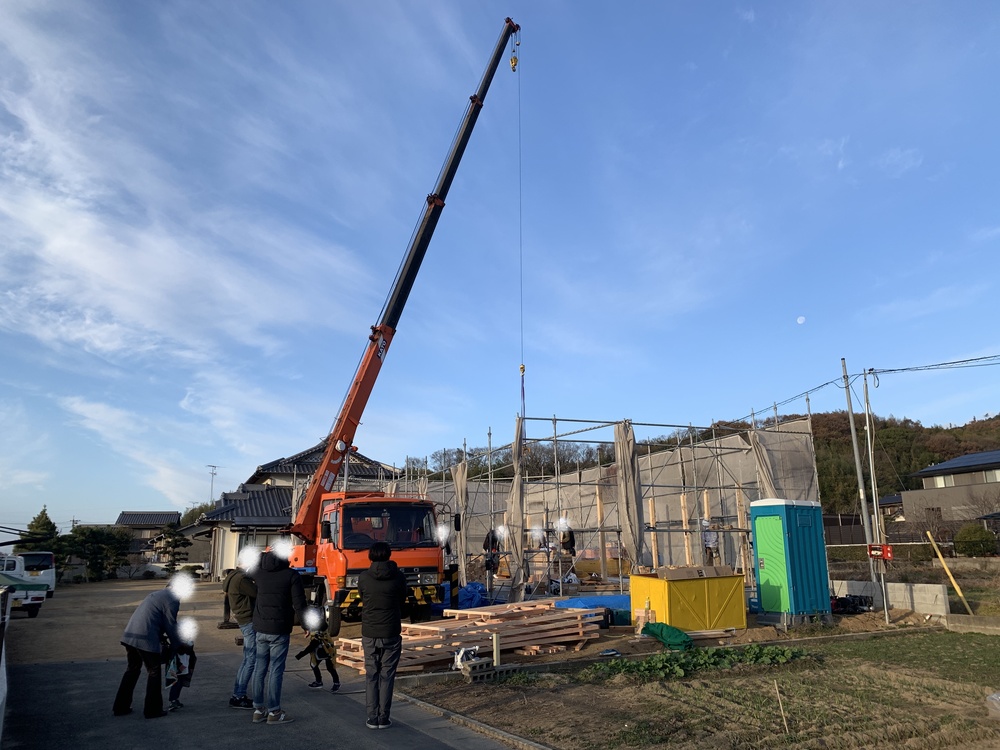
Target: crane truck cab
[[349, 524]]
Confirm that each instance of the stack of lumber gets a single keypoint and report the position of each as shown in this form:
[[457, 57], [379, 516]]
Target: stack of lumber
[[524, 626], [589, 586]]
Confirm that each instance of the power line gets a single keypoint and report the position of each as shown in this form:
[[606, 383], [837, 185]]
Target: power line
[[992, 360]]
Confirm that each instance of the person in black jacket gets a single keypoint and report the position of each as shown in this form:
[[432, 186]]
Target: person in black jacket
[[280, 596], [383, 591]]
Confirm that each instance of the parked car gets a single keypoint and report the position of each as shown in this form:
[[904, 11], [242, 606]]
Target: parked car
[[26, 596]]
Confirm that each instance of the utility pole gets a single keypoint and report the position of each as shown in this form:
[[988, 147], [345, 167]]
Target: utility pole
[[857, 463], [857, 457], [212, 470], [879, 537]]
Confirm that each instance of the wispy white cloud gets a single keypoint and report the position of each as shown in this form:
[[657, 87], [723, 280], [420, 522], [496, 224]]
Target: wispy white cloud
[[747, 15], [986, 234], [22, 446], [835, 149], [134, 438], [895, 162], [936, 301]]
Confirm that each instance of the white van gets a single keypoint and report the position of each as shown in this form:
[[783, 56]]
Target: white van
[[40, 567], [27, 595]]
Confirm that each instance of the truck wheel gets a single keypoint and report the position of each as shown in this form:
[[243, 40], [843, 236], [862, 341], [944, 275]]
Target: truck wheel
[[33, 609], [420, 613], [333, 621]]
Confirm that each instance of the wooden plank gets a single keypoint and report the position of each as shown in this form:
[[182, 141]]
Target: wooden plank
[[538, 626]]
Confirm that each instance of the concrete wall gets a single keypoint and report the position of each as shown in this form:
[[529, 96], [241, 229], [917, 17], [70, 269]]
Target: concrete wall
[[925, 598], [974, 624]]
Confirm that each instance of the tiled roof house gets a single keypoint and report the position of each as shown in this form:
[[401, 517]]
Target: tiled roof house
[[145, 525], [258, 511]]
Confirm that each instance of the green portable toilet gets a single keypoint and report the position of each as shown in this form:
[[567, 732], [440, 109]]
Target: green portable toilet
[[793, 581]]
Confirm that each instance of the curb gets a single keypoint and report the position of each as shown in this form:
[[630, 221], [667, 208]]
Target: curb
[[511, 739]]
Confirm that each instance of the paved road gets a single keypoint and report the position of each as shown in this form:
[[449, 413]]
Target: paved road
[[61, 689]]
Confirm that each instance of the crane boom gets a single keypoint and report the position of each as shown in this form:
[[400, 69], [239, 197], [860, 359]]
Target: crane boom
[[342, 434]]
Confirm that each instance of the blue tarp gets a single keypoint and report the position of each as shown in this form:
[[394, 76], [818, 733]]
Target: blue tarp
[[469, 597], [614, 601]]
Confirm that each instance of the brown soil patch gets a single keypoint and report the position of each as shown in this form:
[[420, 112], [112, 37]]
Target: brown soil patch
[[826, 704]]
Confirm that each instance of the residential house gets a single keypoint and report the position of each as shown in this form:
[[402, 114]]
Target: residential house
[[962, 489], [145, 525], [261, 509]]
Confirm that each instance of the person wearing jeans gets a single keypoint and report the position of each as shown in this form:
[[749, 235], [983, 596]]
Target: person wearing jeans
[[242, 592], [383, 591], [280, 597], [269, 672]]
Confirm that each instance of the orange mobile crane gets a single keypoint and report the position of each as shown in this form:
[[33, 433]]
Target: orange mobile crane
[[336, 528]]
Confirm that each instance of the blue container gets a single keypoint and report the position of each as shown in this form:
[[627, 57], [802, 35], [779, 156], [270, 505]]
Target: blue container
[[790, 557]]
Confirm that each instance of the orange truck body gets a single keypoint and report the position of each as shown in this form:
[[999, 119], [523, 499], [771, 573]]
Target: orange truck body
[[349, 523]]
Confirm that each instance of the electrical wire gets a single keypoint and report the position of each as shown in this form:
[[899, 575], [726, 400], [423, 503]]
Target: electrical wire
[[989, 361], [992, 360]]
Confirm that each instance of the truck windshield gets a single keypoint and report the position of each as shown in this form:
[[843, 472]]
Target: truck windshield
[[38, 561], [398, 524]]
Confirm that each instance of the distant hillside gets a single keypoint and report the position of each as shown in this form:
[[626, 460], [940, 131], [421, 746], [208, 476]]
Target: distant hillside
[[902, 447]]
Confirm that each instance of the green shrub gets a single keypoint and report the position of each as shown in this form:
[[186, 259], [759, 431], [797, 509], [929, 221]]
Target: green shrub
[[972, 540], [670, 664], [846, 552]]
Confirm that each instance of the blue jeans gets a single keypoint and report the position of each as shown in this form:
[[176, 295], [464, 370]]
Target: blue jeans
[[272, 650], [245, 672]]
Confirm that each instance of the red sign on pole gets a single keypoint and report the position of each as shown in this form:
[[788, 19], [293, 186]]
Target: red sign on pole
[[880, 551]]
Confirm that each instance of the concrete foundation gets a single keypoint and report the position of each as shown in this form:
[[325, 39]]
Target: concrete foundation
[[925, 598]]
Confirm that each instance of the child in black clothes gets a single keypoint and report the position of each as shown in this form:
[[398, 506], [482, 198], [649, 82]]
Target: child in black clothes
[[322, 647]]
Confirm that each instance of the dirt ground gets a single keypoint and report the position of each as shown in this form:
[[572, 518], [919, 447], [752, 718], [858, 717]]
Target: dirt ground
[[822, 705], [552, 709]]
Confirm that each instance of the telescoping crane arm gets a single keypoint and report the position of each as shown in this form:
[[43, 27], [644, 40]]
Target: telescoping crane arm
[[342, 434]]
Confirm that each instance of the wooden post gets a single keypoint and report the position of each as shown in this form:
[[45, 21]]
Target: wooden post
[[741, 522], [654, 540], [687, 530], [706, 513], [601, 538], [947, 570]]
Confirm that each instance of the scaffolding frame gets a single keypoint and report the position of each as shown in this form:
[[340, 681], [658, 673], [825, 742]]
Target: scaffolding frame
[[713, 479]]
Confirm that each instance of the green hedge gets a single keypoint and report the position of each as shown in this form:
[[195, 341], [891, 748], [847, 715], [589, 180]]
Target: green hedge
[[972, 540]]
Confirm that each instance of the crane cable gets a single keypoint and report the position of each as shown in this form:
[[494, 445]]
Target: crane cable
[[515, 42]]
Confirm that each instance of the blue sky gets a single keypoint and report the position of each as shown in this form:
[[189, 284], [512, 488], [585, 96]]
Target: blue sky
[[673, 213]]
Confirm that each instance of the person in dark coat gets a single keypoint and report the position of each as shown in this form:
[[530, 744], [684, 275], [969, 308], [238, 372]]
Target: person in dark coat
[[153, 620], [383, 592], [280, 597], [242, 592]]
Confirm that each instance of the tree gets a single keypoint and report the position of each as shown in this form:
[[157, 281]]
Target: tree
[[174, 546], [972, 540], [41, 531], [191, 515], [103, 550], [134, 564]]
